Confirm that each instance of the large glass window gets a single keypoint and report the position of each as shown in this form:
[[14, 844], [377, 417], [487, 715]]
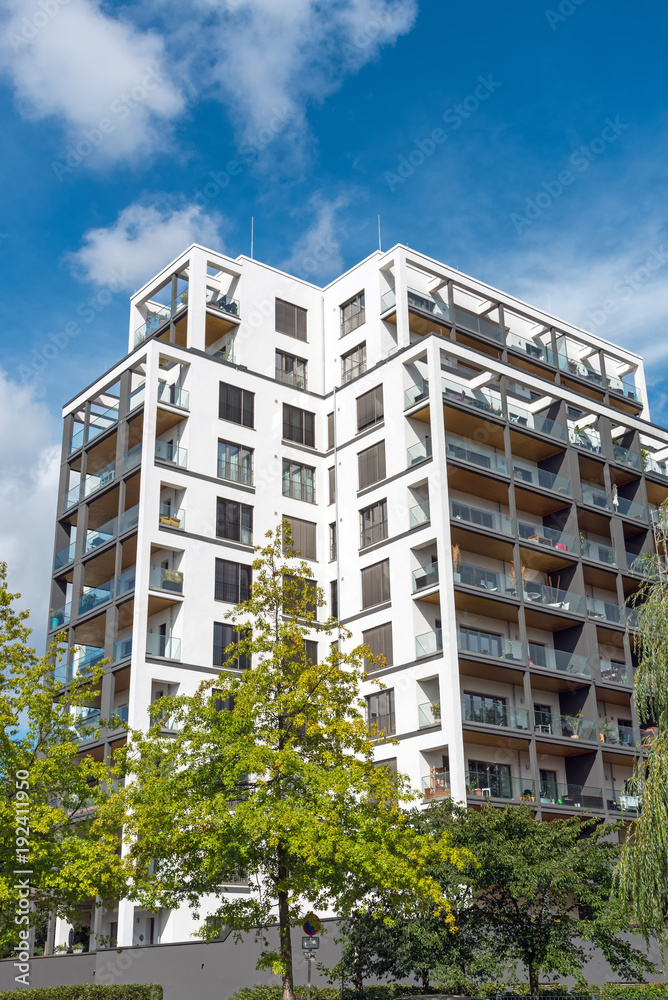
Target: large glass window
[[237, 405], [380, 712], [352, 313], [353, 363], [234, 521], [233, 582], [291, 370], [298, 425], [224, 636], [298, 481], [495, 778], [235, 462], [376, 584], [373, 523], [370, 409], [290, 319]]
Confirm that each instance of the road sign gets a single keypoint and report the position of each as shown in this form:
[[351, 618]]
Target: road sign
[[310, 943], [311, 924]]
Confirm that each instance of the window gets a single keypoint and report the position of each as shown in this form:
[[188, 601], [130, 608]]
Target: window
[[548, 786], [235, 463], [303, 537], [291, 370], [299, 595], [353, 363], [290, 319], [236, 404], [371, 465], [542, 718], [332, 541], [379, 641], [390, 764], [380, 712], [370, 408], [331, 478], [475, 515], [311, 650], [233, 582], [298, 481], [376, 584], [224, 636], [485, 708], [334, 599], [234, 521], [298, 425], [330, 430], [352, 314], [373, 523], [475, 641], [494, 778]]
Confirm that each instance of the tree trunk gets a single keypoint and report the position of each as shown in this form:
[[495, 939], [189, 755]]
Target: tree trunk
[[533, 981], [286, 945], [425, 982]]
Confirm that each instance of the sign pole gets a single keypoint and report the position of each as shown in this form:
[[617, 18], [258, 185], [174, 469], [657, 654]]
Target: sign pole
[[308, 980]]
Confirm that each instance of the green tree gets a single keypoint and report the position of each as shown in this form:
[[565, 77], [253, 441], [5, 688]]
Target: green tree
[[49, 792], [541, 893], [271, 777]]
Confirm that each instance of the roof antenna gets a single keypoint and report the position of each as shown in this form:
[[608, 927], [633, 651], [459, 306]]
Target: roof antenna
[[379, 246], [252, 221]]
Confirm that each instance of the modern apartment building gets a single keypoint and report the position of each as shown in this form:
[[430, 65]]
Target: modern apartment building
[[470, 479]]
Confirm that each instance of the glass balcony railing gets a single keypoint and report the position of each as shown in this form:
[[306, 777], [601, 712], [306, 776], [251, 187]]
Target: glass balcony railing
[[171, 517], [173, 395], [428, 643], [621, 736], [552, 597], [634, 562], [93, 597], [621, 801], [464, 450], [466, 320], [579, 368], [388, 299], [61, 616], [607, 610], [84, 659], [429, 714], [425, 577], [651, 465], [156, 316], [628, 457], [598, 552], [137, 397], [525, 473], [520, 417], [98, 480], [481, 643], [420, 452], [97, 537], [481, 517], [76, 441], [167, 452], [596, 497], [235, 471], [558, 660], [101, 422], [426, 304], [629, 508], [166, 579], [419, 514], [163, 645], [573, 796], [86, 723], [119, 713], [613, 672], [476, 399], [65, 556], [436, 784], [122, 648], [416, 393], [588, 439], [72, 498], [483, 579], [533, 348], [132, 458], [129, 519], [126, 581], [222, 302], [549, 537], [507, 716], [624, 387], [569, 726], [498, 784]]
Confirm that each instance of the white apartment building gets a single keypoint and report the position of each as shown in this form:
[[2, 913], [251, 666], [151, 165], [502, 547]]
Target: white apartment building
[[470, 478]]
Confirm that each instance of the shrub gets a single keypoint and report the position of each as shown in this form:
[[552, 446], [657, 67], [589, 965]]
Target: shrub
[[133, 991]]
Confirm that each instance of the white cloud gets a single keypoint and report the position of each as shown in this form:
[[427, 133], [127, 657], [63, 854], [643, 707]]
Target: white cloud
[[28, 491], [143, 239], [317, 254], [69, 59]]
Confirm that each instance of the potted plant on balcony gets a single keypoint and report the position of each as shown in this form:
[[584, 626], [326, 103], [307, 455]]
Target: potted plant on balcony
[[573, 722], [436, 710], [172, 579], [528, 795], [86, 600], [607, 731], [456, 564]]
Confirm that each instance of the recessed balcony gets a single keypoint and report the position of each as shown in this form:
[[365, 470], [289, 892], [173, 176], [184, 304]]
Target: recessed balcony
[[476, 709], [125, 583], [582, 369], [429, 714], [61, 616], [571, 796], [533, 348], [223, 303], [567, 726], [86, 724], [171, 517], [544, 480], [624, 387], [538, 534], [466, 320], [132, 458], [122, 648], [482, 643], [163, 646], [606, 610], [94, 597], [620, 505], [558, 660], [101, 422], [587, 438], [468, 451], [621, 736], [84, 659], [621, 801], [419, 514], [519, 417], [481, 517], [425, 578], [76, 441], [136, 397], [417, 393], [419, 452], [436, 785], [625, 456], [613, 672], [98, 480], [64, 557], [165, 451], [173, 395], [166, 579], [597, 551], [500, 786], [429, 643], [478, 399]]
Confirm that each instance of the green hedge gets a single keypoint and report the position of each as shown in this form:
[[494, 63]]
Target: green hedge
[[641, 991], [613, 991], [384, 992], [144, 991]]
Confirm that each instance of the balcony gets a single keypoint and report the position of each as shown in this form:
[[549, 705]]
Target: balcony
[[132, 458], [418, 515], [425, 577], [503, 716], [84, 659], [61, 616], [581, 369], [164, 646], [223, 303], [519, 417], [552, 597], [136, 397], [236, 472], [606, 610], [86, 723], [481, 517], [416, 393], [481, 643], [166, 579], [622, 801], [538, 534], [598, 552], [98, 480], [613, 672], [173, 395], [95, 597], [653, 466], [558, 660], [429, 715], [544, 480], [620, 736], [589, 439], [624, 387], [500, 786], [76, 441], [129, 519], [484, 579], [388, 299], [122, 648], [568, 726], [426, 304], [436, 785], [97, 537], [629, 508], [156, 316], [572, 796], [125, 583], [72, 498], [101, 422], [627, 457], [165, 451], [533, 348], [419, 452], [465, 450], [428, 643], [65, 556], [466, 320], [620, 505], [120, 713], [171, 517], [476, 399]]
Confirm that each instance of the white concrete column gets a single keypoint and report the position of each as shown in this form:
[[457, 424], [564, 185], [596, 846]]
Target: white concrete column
[[126, 917], [196, 299], [401, 286]]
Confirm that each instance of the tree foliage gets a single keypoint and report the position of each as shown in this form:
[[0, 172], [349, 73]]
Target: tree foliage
[[49, 792], [271, 778]]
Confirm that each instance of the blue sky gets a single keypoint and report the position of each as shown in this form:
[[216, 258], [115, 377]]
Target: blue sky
[[523, 143]]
